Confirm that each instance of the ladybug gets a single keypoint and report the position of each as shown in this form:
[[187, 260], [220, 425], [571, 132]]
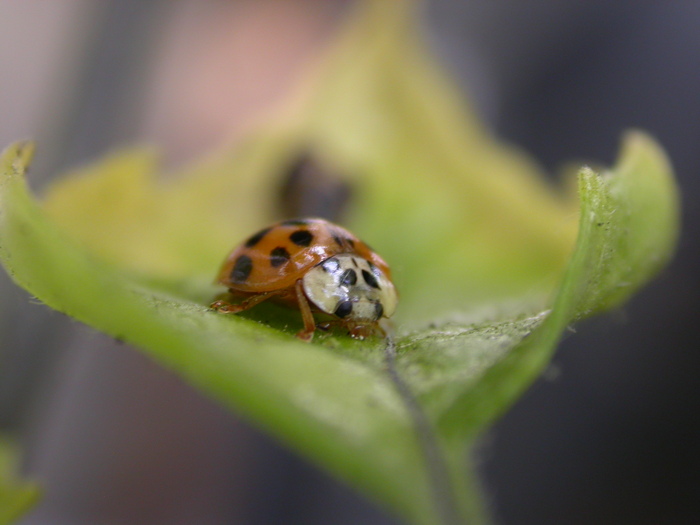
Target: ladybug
[[315, 266]]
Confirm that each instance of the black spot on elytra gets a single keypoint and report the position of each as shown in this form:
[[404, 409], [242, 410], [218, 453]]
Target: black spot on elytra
[[301, 237], [279, 256], [378, 310], [348, 278], [294, 222], [343, 309], [255, 239], [241, 269], [350, 242], [330, 265], [370, 279], [338, 240]]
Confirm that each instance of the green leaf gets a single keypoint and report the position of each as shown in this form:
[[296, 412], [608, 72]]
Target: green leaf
[[628, 228], [488, 283], [344, 414], [334, 400], [17, 496]]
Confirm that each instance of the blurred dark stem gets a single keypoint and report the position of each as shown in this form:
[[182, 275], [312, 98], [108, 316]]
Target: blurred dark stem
[[311, 189]]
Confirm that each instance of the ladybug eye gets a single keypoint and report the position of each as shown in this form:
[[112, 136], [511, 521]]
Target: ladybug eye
[[379, 310], [343, 309]]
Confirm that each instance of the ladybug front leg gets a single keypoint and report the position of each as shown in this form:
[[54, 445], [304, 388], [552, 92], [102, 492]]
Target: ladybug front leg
[[309, 324], [224, 307]]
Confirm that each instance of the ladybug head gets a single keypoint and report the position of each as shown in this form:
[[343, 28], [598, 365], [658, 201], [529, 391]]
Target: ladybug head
[[351, 288]]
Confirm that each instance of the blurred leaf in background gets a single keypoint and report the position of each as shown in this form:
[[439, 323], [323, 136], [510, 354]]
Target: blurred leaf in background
[[17, 496]]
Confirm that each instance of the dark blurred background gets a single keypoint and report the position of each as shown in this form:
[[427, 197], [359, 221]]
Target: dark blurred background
[[611, 435]]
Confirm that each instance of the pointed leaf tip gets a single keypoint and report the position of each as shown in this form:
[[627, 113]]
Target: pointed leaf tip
[[22, 153]]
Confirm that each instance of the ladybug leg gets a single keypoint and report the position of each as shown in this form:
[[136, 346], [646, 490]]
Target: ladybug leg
[[224, 307], [309, 324]]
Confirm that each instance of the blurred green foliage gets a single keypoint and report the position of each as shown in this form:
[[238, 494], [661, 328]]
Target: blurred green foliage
[[17, 496]]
